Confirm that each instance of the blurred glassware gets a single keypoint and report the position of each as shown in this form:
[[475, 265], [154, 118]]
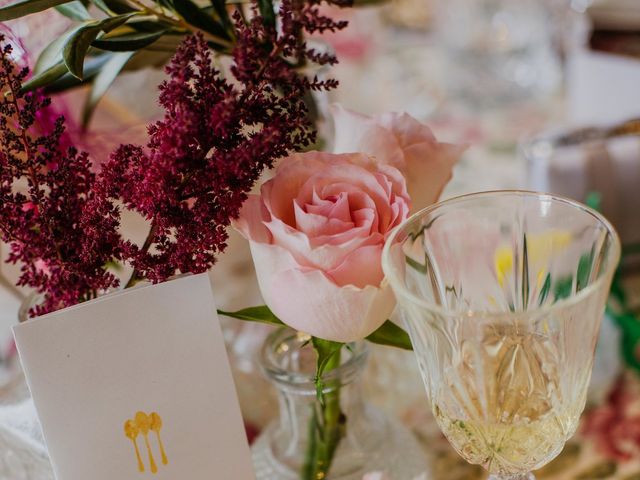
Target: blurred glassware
[[591, 160], [497, 51], [617, 15]]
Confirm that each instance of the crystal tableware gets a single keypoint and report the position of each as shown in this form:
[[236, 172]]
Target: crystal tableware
[[502, 294]]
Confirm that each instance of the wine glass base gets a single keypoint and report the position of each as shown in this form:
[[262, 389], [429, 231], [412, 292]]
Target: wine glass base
[[521, 476]]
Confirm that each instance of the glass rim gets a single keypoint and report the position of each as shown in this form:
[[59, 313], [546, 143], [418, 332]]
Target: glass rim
[[400, 290]]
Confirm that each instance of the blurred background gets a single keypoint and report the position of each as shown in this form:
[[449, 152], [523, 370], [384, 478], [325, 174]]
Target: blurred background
[[546, 93]]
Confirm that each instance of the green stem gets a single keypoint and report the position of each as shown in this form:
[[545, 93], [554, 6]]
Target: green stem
[[326, 428]]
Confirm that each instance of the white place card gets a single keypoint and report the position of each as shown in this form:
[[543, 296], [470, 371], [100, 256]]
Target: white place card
[[137, 385]]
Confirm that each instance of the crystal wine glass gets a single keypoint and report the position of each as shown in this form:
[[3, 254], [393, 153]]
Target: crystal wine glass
[[502, 294]]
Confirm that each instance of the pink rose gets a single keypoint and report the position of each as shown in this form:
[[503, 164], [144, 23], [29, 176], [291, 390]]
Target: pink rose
[[399, 140], [316, 233]]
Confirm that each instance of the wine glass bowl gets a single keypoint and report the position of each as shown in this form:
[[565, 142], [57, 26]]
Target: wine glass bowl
[[502, 294]]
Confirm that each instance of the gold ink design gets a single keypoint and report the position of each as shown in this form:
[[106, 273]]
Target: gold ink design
[[156, 426], [131, 431], [144, 423]]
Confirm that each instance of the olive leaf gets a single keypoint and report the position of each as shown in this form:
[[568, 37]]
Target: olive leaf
[[46, 77], [199, 18], [128, 42], [50, 67], [52, 53], [74, 10], [27, 7], [220, 8], [267, 12], [113, 7], [92, 67], [78, 44]]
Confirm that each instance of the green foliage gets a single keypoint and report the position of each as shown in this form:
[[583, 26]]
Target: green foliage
[[91, 51], [128, 42], [267, 12], [77, 46], [260, 314], [391, 335], [388, 334], [152, 29], [74, 10], [27, 7]]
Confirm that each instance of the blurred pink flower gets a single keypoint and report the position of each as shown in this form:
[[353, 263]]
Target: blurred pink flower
[[615, 426], [400, 140]]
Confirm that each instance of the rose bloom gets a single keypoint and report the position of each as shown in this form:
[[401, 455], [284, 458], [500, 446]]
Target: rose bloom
[[316, 233], [400, 140], [318, 227]]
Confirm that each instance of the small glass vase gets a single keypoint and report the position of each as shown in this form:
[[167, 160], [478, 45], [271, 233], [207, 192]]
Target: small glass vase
[[370, 441]]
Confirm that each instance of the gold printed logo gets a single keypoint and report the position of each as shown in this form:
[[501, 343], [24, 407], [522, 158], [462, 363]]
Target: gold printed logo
[[143, 424]]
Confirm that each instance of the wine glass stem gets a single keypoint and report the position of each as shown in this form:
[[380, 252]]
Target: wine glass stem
[[519, 476]]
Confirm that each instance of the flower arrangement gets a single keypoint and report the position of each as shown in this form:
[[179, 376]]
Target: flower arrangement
[[316, 232], [317, 228], [217, 136]]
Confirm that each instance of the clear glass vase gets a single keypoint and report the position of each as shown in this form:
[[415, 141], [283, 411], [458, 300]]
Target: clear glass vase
[[370, 440]]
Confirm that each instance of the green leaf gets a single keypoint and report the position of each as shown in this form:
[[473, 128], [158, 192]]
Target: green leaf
[[92, 67], [267, 13], [102, 82], [78, 44], [260, 314], [221, 14], [45, 78], [74, 10], [128, 42], [114, 7], [391, 335], [199, 18], [27, 7], [52, 54], [220, 8]]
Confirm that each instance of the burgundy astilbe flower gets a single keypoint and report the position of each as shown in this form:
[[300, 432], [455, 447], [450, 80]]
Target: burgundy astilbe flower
[[210, 148], [217, 136], [44, 189]]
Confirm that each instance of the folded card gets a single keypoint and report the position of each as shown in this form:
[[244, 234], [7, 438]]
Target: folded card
[[137, 385]]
